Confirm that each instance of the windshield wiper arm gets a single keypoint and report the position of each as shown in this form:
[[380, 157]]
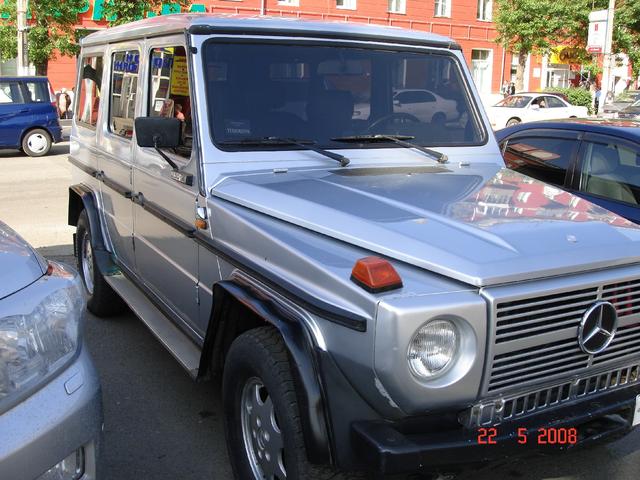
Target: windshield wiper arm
[[399, 139], [306, 144]]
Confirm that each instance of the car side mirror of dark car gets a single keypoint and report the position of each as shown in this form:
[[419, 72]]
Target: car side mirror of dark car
[[158, 132]]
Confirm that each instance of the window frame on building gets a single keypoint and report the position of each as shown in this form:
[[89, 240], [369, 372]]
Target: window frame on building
[[79, 100], [442, 8], [397, 6], [485, 10], [289, 3], [346, 4]]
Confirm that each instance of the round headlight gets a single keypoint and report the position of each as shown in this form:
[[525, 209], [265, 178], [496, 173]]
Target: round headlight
[[432, 348]]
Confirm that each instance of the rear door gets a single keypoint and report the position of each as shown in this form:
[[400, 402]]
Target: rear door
[[38, 99], [14, 114], [556, 108]]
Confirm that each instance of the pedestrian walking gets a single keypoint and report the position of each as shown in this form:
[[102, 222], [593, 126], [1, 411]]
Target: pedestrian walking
[[505, 89], [596, 103], [63, 103], [512, 88]]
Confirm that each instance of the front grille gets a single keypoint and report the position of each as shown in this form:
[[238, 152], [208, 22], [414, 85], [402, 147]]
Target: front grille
[[536, 336], [493, 412]]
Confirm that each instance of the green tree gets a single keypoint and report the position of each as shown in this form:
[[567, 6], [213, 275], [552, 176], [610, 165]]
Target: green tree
[[118, 12], [627, 31], [51, 30], [536, 26]]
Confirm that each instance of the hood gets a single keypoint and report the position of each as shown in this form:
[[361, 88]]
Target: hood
[[479, 224], [20, 265]]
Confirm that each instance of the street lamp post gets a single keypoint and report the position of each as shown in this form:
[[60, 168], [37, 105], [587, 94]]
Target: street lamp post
[[23, 59], [607, 60]]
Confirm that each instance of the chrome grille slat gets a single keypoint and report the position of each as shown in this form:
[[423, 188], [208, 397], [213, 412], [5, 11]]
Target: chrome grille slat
[[535, 335]]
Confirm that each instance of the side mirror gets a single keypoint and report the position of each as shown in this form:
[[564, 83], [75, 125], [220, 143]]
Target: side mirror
[[535, 106], [158, 132]]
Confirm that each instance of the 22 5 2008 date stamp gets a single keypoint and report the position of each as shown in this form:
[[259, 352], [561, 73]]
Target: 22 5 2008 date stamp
[[543, 436]]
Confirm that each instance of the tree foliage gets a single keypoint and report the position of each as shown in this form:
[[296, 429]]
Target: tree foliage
[[51, 30], [118, 12], [526, 26]]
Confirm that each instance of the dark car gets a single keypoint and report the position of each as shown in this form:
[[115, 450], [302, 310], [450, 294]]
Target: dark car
[[28, 115], [631, 112], [598, 160], [622, 101]]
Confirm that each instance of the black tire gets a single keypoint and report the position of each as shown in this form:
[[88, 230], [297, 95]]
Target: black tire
[[261, 354], [102, 301], [513, 121], [36, 142]]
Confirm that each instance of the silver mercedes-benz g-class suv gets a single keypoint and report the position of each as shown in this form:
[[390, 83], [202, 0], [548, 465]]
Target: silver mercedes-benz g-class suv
[[320, 214]]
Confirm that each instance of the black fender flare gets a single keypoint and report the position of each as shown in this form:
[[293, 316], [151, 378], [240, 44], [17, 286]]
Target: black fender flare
[[82, 197], [299, 342]]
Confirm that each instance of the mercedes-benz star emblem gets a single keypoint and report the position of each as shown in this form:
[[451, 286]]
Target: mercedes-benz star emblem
[[598, 327]]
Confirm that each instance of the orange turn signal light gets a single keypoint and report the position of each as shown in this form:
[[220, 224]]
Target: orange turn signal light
[[375, 275]]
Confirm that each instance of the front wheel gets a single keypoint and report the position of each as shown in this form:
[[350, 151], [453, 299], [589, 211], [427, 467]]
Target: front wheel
[[262, 421], [36, 143]]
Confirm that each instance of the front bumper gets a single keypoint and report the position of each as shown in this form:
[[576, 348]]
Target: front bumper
[[42, 430], [396, 448]]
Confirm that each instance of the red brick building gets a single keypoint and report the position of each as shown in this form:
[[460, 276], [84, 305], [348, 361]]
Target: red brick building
[[466, 21]]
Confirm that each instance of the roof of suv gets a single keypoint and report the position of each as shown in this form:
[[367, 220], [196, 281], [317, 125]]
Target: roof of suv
[[628, 129], [247, 24]]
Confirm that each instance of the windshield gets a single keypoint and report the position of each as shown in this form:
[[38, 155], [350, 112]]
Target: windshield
[[514, 101], [318, 93]]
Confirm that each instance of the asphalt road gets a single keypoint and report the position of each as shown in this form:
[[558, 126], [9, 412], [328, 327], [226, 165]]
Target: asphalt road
[[159, 425]]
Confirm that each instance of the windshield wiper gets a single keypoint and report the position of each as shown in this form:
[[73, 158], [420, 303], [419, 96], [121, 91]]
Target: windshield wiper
[[399, 139], [306, 144]]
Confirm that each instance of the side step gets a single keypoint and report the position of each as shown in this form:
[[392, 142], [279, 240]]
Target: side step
[[179, 345]]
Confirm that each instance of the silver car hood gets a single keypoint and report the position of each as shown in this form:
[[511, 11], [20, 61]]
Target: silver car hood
[[20, 265], [479, 224]]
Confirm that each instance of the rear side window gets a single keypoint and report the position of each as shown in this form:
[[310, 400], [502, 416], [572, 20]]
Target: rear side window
[[10, 92], [37, 92], [543, 158], [88, 99], [124, 86]]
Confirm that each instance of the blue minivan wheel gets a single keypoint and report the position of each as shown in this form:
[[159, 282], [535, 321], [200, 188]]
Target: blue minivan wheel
[[36, 142]]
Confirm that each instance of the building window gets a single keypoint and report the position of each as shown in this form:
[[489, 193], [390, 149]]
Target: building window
[[485, 8], [443, 8], [290, 3], [346, 4], [88, 98], [124, 87], [398, 6], [481, 69], [169, 91]]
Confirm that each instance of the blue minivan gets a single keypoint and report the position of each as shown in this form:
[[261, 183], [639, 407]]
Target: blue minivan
[[28, 115]]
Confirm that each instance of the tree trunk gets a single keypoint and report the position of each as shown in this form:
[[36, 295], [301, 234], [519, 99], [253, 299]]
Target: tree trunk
[[41, 69], [522, 63]]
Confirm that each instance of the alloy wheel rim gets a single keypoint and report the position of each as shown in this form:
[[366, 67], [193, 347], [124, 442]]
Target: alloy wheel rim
[[87, 263], [37, 143], [261, 433]]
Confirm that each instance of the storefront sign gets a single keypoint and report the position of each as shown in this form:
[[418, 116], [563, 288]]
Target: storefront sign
[[597, 31], [566, 55]]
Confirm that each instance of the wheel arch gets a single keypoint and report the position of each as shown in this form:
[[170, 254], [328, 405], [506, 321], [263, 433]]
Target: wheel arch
[[247, 308], [36, 127], [82, 198]]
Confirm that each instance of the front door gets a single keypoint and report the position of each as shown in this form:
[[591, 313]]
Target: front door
[[14, 114], [164, 213]]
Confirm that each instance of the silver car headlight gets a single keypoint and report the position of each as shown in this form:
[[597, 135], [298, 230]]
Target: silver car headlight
[[433, 348], [36, 345]]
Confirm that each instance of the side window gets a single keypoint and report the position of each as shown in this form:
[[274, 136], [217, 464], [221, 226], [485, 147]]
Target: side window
[[38, 92], [553, 102], [543, 158], [88, 98], [10, 92], [169, 91], [611, 171], [124, 85]]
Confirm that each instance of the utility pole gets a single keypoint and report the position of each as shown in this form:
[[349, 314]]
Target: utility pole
[[23, 59], [607, 66]]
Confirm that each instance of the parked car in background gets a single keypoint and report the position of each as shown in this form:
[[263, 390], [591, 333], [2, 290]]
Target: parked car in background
[[28, 115], [630, 112], [530, 107], [50, 400], [623, 100], [595, 159]]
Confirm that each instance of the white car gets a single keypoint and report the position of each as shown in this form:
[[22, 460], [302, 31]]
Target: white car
[[521, 108]]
